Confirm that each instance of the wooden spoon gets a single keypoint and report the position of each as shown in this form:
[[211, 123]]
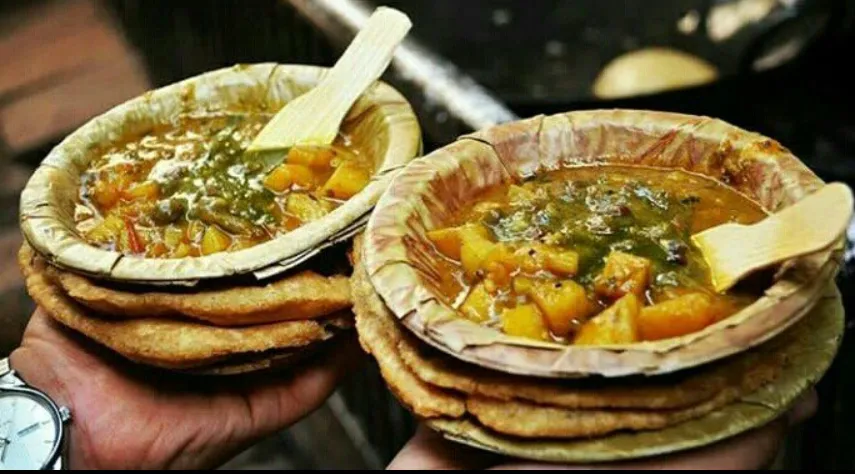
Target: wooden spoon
[[814, 223], [314, 118]]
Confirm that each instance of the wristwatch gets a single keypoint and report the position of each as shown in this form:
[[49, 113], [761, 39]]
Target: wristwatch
[[32, 426]]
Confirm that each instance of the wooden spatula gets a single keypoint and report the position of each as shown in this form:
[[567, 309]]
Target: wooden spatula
[[314, 118], [814, 223]]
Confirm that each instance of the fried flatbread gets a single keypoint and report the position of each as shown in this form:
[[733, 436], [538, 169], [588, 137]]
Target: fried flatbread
[[304, 295], [266, 361], [810, 347], [435, 387], [660, 393], [529, 420], [379, 336], [173, 344]]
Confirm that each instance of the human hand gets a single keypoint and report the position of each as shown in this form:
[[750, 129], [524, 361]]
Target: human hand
[[131, 417], [751, 451]]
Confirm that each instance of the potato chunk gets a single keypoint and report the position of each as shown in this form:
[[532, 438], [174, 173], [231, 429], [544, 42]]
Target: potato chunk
[[147, 191], [524, 320], [623, 273], [616, 325], [106, 194], [677, 317], [214, 240], [561, 262], [447, 241], [315, 157], [498, 266], [107, 230], [182, 250], [530, 258], [279, 180], [450, 241], [475, 248], [307, 208], [346, 181], [539, 257], [477, 304], [563, 303], [173, 236], [522, 285], [286, 175]]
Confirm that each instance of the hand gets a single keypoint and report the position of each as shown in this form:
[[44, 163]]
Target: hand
[[127, 416], [751, 451]]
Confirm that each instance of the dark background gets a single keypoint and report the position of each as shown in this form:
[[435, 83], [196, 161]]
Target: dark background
[[68, 60]]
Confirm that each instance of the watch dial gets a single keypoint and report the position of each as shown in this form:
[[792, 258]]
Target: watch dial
[[28, 432]]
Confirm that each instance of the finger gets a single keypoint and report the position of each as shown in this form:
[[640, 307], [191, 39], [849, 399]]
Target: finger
[[804, 409], [754, 450], [428, 450], [44, 336], [270, 404], [42, 329], [284, 401]]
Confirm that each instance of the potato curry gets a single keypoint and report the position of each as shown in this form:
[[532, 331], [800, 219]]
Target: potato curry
[[187, 188], [592, 255]]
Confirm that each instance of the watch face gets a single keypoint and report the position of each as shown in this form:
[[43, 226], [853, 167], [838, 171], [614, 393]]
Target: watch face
[[29, 431]]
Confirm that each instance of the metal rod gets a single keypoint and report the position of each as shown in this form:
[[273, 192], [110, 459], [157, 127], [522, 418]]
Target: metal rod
[[448, 101]]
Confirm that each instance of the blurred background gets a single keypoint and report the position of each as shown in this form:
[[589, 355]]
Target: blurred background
[[778, 67]]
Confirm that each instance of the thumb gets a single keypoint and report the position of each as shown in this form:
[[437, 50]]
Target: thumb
[[430, 451]]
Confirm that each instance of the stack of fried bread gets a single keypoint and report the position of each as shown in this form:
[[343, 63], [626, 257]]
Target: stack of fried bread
[[558, 366], [594, 421], [231, 330]]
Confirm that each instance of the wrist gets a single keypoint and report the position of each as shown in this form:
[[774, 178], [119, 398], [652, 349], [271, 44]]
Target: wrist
[[33, 425], [38, 375]]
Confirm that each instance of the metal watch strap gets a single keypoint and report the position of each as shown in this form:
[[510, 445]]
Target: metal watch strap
[[8, 379], [7, 375]]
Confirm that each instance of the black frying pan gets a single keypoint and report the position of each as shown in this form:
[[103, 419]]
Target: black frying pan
[[551, 51]]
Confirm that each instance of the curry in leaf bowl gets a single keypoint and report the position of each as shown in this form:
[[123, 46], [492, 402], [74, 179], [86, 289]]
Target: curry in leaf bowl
[[154, 231], [533, 289], [561, 246]]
